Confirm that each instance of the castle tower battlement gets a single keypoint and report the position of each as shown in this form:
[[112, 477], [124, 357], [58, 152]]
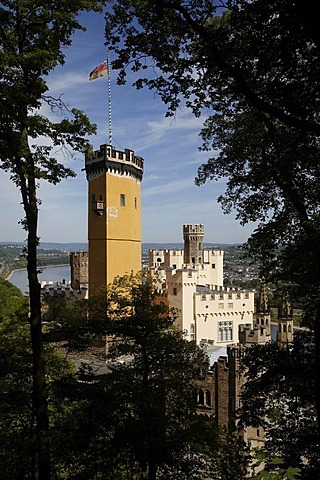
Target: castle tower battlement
[[115, 162]]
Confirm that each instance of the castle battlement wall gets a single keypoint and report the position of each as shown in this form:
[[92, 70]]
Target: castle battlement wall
[[249, 335], [209, 254], [116, 162], [196, 229]]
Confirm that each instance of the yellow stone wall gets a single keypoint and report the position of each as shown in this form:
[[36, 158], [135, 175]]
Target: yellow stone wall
[[115, 236]]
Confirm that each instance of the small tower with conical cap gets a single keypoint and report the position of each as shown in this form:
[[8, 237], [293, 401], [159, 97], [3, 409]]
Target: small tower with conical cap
[[263, 316], [285, 321]]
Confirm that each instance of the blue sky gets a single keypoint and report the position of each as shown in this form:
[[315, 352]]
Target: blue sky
[[169, 148]]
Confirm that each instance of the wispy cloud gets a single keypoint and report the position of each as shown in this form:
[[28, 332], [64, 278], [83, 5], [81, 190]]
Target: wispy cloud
[[169, 147]]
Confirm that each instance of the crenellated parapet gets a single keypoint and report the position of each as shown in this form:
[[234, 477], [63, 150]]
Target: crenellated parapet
[[253, 336], [115, 162], [193, 229]]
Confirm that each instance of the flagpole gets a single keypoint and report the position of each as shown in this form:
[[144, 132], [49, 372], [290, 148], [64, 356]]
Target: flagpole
[[109, 99]]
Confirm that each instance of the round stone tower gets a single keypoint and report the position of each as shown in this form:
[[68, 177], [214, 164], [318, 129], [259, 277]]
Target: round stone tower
[[193, 244], [79, 269]]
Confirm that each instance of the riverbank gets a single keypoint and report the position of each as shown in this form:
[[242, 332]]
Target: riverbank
[[50, 273], [9, 275]]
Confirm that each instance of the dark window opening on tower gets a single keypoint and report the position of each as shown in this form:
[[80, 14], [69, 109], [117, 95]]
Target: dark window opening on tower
[[122, 200], [213, 265], [135, 203], [193, 260], [208, 398]]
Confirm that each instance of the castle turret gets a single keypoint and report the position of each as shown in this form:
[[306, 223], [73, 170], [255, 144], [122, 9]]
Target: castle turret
[[193, 244], [263, 316], [285, 321], [114, 214]]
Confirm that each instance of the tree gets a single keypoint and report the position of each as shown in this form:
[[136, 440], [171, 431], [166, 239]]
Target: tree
[[275, 471], [17, 419], [32, 38], [253, 68], [279, 396], [139, 414], [211, 51], [11, 298], [155, 388]]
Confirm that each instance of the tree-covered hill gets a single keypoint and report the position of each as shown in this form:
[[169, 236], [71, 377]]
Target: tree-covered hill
[[11, 298], [12, 258]]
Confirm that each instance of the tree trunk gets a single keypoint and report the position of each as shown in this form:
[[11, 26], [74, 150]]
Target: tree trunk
[[152, 471], [40, 405], [317, 372]]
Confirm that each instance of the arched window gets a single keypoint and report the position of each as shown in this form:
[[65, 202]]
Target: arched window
[[201, 397], [208, 398]]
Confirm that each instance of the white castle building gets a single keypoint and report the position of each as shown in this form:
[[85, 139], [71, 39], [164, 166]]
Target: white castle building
[[191, 281]]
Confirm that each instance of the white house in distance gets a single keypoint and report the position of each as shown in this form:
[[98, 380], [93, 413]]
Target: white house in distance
[[191, 281]]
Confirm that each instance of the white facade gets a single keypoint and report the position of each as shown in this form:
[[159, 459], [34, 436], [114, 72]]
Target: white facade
[[206, 311]]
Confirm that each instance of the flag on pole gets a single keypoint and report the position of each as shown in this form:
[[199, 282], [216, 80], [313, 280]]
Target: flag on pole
[[99, 71]]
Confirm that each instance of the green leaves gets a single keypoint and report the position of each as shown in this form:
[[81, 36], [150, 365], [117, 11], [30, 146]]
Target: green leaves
[[275, 469], [279, 395], [11, 299], [32, 38]]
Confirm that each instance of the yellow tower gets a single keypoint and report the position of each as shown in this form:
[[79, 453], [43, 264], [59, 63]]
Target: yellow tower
[[114, 208]]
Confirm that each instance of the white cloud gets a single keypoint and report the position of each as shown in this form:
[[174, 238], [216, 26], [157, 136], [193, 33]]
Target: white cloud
[[169, 147]]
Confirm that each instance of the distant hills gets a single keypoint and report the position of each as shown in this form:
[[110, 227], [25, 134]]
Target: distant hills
[[78, 246], [69, 247]]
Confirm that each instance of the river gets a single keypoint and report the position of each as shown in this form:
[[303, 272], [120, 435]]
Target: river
[[19, 277]]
